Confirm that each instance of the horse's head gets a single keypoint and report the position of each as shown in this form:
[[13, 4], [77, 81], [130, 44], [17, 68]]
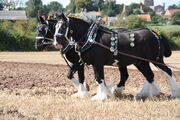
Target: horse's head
[[45, 32], [68, 28], [61, 35]]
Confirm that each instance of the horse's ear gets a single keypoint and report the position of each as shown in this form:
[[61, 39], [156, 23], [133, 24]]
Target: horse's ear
[[61, 16], [64, 17], [41, 20]]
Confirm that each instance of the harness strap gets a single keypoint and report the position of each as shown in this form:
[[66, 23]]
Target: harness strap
[[81, 61], [66, 60]]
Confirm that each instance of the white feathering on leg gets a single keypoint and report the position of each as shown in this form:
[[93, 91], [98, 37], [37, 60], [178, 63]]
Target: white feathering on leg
[[75, 82], [148, 90], [117, 90], [175, 87], [82, 92], [103, 92]]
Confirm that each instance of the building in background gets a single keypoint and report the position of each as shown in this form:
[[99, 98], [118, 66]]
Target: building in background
[[146, 17], [169, 13], [160, 9], [13, 15], [147, 2]]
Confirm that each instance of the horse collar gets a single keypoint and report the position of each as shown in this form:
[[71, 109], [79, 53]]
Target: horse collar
[[90, 37]]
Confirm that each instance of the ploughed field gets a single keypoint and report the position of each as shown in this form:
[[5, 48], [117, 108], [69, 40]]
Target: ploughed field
[[39, 91]]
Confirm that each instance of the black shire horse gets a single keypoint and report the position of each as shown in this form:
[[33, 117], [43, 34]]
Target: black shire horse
[[44, 37], [144, 44]]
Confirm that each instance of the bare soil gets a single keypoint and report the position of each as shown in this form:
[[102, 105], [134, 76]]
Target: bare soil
[[23, 87], [32, 75]]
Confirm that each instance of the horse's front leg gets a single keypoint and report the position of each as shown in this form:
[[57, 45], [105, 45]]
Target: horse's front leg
[[103, 90], [70, 75], [82, 90]]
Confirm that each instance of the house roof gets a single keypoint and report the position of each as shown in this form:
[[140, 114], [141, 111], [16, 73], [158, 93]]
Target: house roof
[[174, 10], [147, 17], [13, 15]]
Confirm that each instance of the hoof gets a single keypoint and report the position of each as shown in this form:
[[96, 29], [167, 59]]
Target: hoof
[[140, 97], [117, 91], [176, 93], [99, 97], [80, 94], [103, 92], [148, 90]]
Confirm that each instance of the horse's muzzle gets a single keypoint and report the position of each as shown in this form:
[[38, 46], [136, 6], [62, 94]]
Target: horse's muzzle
[[55, 43], [58, 46]]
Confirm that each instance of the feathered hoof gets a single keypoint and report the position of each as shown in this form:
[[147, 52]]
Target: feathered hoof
[[117, 91], [99, 97], [83, 94], [176, 92]]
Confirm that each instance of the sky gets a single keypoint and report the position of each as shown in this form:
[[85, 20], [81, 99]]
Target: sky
[[127, 2]]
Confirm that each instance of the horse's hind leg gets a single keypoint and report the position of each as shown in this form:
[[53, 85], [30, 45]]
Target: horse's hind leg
[[121, 86], [150, 88], [175, 87]]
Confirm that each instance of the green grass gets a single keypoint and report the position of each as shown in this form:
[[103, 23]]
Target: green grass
[[165, 28]]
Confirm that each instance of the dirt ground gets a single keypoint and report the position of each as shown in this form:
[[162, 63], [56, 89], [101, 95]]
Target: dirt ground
[[39, 79]]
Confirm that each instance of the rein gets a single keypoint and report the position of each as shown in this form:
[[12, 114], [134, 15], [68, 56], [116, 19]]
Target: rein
[[66, 60], [45, 38]]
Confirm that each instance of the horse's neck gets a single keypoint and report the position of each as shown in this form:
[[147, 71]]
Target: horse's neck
[[80, 29]]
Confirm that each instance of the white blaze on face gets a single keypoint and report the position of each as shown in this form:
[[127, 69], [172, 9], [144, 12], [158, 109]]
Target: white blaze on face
[[55, 43], [58, 26]]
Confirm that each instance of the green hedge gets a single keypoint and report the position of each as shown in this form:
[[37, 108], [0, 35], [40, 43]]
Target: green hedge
[[174, 39], [15, 42]]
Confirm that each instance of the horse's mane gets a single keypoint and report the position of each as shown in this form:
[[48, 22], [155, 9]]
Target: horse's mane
[[79, 20]]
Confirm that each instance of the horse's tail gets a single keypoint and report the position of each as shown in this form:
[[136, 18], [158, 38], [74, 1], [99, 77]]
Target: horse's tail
[[167, 49]]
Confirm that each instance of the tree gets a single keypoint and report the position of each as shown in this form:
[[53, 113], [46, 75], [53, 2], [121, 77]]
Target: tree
[[83, 4], [172, 7], [7, 4], [135, 22], [98, 4], [147, 9], [156, 19], [33, 6], [1, 6], [176, 18], [89, 5], [110, 8], [71, 7], [43, 10], [137, 11], [111, 12], [54, 7], [130, 9]]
